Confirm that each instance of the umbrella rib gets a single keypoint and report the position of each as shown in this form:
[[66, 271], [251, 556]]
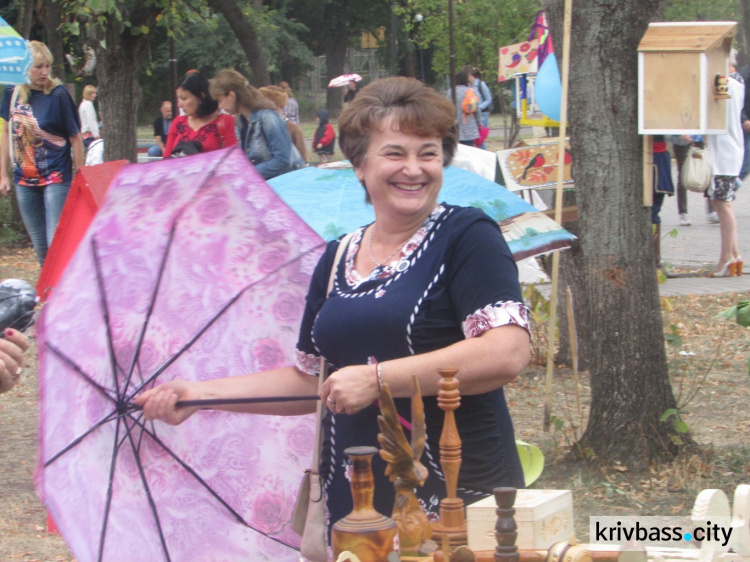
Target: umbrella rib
[[149, 312], [162, 267], [105, 311], [210, 490], [190, 470], [208, 324], [151, 502], [77, 440], [79, 370], [108, 504]]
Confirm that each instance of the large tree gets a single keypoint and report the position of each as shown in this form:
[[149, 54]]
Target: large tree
[[611, 269], [119, 31], [334, 26]]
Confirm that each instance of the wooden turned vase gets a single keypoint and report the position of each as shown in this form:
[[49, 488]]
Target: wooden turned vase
[[369, 535]]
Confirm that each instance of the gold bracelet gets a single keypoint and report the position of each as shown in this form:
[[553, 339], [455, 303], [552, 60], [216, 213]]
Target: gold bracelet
[[380, 376]]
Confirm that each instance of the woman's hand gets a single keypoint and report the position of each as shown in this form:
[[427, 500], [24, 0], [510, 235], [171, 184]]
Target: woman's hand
[[12, 349], [159, 402], [4, 185], [351, 389]]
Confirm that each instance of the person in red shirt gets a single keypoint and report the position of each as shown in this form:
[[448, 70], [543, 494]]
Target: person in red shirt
[[202, 128], [324, 138]]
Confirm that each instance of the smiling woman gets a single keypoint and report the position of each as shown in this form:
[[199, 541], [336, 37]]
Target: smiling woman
[[425, 286]]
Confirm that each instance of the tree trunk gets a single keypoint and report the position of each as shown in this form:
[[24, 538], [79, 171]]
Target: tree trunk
[[248, 40], [335, 51], [52, 23], [25, 17], [611, 271], [744, 31], [119, 92]]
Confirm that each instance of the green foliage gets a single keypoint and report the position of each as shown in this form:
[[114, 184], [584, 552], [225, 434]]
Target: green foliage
[[480, 28], [679, 425], [673, 338], [11, 230], [702, 10], [739, 312]]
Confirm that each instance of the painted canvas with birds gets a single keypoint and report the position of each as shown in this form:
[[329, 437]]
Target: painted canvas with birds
[[535, 165]]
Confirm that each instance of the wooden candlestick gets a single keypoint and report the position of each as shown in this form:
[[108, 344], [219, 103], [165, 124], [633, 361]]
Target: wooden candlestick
[[506, 530], [452, 521]]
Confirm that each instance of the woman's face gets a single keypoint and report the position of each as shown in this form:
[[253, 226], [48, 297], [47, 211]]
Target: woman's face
[[187, 102], [38, 74], [403, 172], [228, 103]]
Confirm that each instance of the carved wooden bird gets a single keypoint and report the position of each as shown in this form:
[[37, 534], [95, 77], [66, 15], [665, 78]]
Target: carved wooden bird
[[404, 468]]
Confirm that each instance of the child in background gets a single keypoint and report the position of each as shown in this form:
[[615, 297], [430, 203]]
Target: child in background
[[324, 138]]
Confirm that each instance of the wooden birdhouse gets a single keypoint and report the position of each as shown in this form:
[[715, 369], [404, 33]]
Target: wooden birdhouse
[[681, 70]]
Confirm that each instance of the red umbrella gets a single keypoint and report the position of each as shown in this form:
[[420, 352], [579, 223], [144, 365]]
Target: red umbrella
[[84, 198], [192, 268]]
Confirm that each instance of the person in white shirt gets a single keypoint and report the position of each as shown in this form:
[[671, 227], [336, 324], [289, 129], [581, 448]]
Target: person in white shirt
[[89, 122], [727, 152]]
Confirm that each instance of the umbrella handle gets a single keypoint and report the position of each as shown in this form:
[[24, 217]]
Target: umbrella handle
[[230, 401]]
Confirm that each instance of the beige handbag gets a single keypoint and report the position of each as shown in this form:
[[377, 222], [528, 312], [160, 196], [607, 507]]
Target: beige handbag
[[308, 518], [696, 172]]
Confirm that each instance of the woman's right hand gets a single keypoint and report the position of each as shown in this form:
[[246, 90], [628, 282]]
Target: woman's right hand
[[159, 403], [4, 185]]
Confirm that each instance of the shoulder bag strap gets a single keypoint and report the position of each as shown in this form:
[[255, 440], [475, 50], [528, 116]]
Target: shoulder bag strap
[[323, 365], [12, 106]]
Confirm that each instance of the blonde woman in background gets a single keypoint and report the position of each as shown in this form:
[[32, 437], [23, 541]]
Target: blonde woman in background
[[89, 121], [46, 134], [278, 97], [259, 126]]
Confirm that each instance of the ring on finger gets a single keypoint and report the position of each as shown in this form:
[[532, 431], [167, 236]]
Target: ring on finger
[[331, 401], [18, 373]]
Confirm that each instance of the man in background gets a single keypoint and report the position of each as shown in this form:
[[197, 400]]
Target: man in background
[[161, 128]]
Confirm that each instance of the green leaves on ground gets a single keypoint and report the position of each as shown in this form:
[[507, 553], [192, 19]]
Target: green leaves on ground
[[740, 312]]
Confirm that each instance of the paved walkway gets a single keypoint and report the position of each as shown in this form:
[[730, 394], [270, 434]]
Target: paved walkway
[[697, 246]]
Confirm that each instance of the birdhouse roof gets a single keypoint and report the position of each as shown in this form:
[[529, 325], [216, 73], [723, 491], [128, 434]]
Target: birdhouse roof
[[688, 36]]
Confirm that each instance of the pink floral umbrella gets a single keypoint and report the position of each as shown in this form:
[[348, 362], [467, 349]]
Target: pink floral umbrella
[[343, 80], [193, 268]]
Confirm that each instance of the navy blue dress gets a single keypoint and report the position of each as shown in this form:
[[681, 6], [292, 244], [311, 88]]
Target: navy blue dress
[[455, 279]]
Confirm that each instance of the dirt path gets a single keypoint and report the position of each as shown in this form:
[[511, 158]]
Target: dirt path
[[718, 416]]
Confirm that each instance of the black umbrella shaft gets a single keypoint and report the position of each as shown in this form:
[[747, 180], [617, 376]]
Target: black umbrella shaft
[[231, 401]]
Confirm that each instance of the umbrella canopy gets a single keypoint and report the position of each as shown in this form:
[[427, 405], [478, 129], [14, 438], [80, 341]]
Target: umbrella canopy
[[193, 269], [15, 58], [343, 80], [332, 202], [83, 200]]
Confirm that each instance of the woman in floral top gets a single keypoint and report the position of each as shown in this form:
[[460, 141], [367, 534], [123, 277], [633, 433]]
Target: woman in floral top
[[427, 285]]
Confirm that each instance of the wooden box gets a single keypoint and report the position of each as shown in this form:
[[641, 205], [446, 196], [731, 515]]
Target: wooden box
[[543, 517], [677, 67]]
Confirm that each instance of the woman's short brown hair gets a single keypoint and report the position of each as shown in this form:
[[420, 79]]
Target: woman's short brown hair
[[417, 110]]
